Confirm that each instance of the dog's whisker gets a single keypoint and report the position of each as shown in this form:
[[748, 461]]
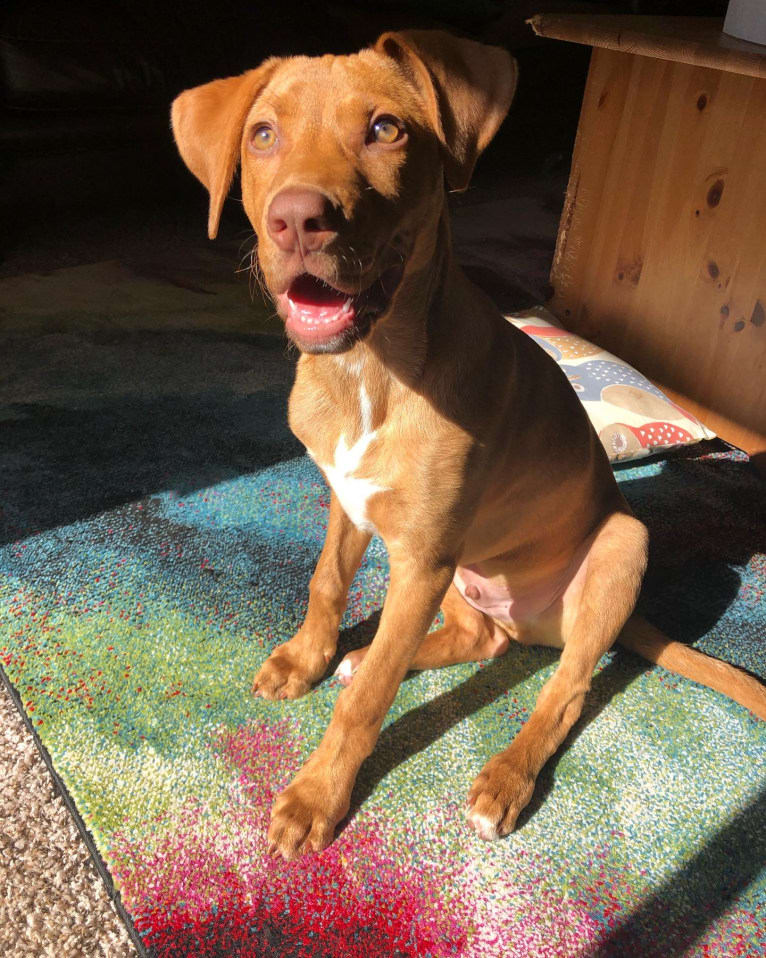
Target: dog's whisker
[[256, 279]]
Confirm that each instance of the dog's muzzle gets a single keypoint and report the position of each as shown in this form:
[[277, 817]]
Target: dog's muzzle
[[320, 318]]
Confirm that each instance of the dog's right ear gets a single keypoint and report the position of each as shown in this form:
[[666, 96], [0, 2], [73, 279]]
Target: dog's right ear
[[207, 125], [467, 87]]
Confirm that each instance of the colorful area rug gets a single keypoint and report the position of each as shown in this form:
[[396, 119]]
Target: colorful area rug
[[155, 545]]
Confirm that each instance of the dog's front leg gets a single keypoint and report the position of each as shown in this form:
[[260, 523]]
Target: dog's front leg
[[293, 667], [305, 814]]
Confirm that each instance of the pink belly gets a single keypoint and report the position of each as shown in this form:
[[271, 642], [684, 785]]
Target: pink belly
[[494, 597]]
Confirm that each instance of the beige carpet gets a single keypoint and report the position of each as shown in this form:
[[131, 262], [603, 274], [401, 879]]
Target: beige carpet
[[52, 900]]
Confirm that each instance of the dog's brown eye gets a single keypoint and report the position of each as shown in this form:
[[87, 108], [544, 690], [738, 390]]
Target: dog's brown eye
[[263, 137], [387, 129]]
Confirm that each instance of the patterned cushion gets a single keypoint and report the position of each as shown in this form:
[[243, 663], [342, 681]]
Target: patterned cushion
[[632, 417]]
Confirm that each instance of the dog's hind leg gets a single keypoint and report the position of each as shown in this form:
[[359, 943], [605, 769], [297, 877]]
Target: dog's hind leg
[[466, 636], [593, 614]]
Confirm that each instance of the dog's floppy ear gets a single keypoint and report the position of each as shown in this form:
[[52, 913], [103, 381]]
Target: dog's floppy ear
[[468, 88], [207, 125]]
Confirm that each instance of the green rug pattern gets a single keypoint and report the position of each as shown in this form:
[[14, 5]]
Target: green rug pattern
[[156, 545]]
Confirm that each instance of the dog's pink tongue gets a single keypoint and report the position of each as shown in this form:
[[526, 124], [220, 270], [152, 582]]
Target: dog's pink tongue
[[315, 309]]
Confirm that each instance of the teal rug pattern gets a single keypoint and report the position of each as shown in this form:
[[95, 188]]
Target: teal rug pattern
[[155, 546]]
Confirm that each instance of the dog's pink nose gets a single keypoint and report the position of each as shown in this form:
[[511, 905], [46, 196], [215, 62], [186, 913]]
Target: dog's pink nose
[[300, 219]]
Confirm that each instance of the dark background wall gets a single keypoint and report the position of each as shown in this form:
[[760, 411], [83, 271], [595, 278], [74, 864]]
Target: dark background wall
[[85, 86]]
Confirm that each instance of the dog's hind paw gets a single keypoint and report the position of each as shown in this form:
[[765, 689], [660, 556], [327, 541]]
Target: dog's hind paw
[[348, 666]]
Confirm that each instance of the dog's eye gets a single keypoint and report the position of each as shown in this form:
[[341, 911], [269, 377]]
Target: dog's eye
[[386, 129], [263, 137]]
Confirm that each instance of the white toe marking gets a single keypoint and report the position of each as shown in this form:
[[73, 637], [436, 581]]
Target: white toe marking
[[345, 670], [483, 827]]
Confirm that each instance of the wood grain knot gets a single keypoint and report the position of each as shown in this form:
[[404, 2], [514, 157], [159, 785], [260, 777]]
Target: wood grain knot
[[714, 193], [630, 270]]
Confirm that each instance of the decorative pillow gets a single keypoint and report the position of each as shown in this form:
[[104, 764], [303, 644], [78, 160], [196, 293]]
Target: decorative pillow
[[632, 417]]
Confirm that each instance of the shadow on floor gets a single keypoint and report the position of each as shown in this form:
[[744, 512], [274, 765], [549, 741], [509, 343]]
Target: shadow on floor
[[151, 428], [702, 885]]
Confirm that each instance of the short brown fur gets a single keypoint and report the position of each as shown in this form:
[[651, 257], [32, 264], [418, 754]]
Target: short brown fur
[[459, 411]]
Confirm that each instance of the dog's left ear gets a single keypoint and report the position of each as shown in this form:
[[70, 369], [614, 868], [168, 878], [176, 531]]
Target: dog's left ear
[[207, 125], [468, 88]]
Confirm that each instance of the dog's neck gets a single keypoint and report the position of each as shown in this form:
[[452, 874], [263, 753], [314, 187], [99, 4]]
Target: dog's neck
[[399, 345]]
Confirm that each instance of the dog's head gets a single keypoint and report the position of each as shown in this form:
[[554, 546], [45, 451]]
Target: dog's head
[[343, 161]]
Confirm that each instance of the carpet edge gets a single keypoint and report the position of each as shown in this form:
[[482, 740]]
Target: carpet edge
[[108, 882]]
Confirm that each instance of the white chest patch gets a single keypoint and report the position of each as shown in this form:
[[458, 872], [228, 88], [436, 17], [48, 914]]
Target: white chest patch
[[354, 492]]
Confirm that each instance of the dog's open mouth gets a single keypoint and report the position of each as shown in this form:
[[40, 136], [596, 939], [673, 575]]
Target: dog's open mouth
[[321, 318]]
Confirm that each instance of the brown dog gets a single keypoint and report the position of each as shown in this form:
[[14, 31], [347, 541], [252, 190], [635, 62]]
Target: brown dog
[[436, 423]]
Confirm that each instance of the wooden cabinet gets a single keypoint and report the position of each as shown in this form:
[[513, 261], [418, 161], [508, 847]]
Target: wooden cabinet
[[661, 252]]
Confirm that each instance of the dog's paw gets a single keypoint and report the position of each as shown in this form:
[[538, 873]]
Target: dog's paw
[[349, 664], [287, 674], [497, 797], [304, 816]]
